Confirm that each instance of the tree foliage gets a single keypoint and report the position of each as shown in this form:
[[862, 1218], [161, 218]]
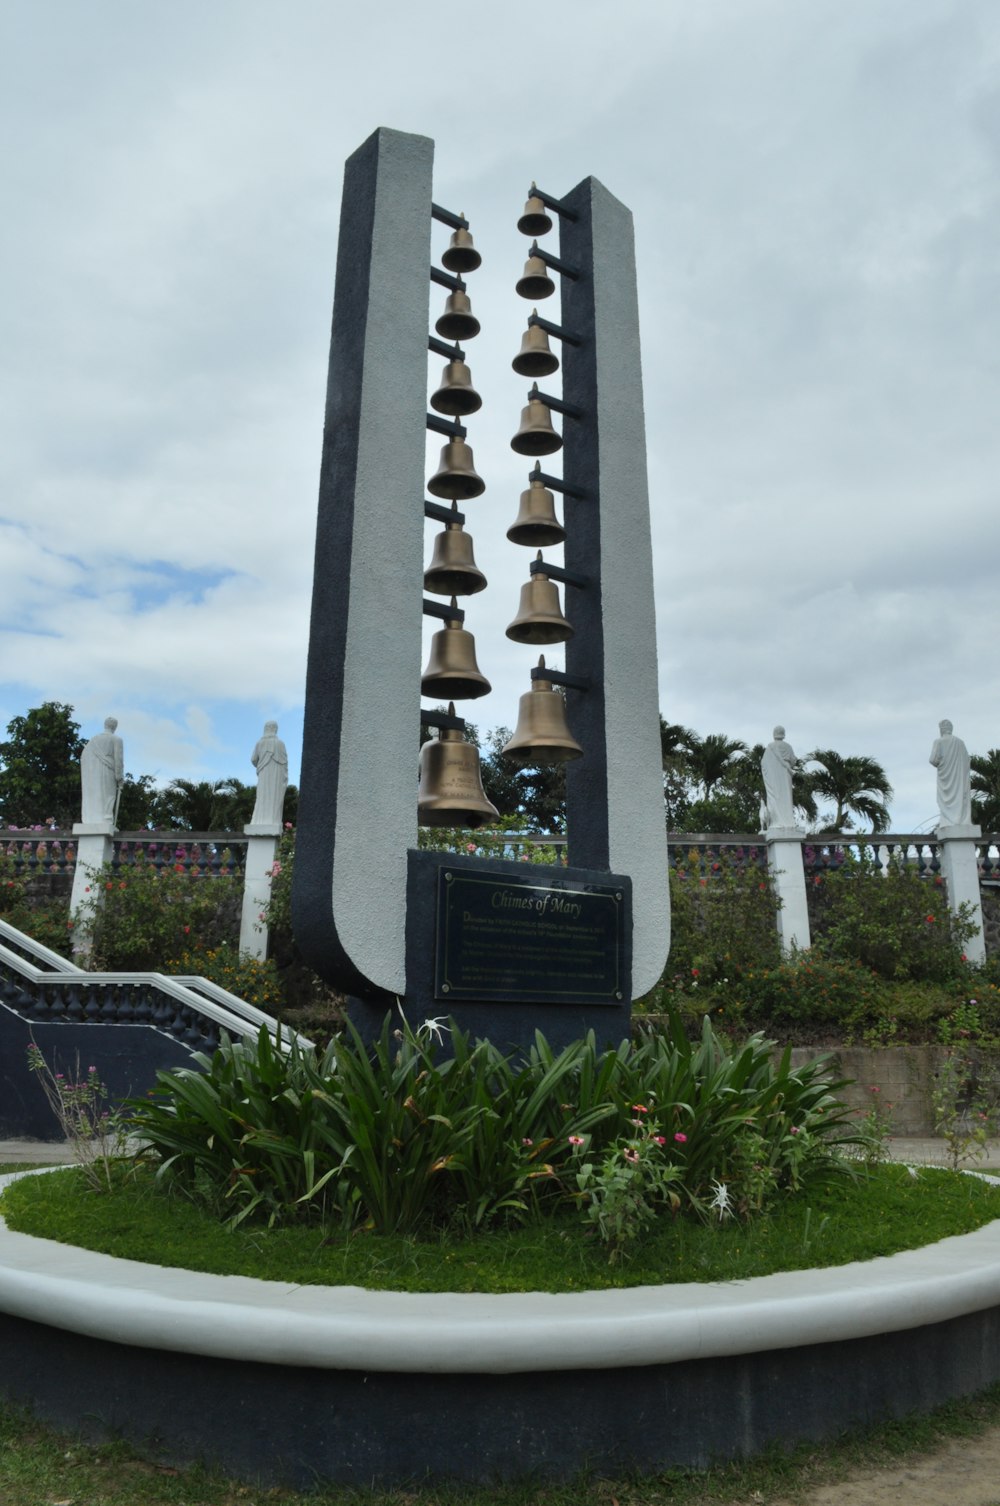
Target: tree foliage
[[985, 782], [40, 776], [858, 786]]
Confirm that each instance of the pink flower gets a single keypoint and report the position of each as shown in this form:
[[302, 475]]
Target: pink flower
[[660, 1139], [631, 1155], [526, 1141], [639, 1108], [681, 1139], [470, 846], [794, 1129], [930, 920], [575, 1139]]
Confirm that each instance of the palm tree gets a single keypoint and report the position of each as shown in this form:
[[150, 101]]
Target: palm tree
[[712, 758], [222, 805], [856, 784], [985, 783]]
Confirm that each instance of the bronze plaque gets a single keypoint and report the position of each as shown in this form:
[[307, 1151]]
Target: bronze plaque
[[522, 941]]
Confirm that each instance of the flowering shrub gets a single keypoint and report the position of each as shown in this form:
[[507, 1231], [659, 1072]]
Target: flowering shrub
[[392, 1140], [624, 1191], [893, 923], [723, 919], [247, 977], [145, 919]]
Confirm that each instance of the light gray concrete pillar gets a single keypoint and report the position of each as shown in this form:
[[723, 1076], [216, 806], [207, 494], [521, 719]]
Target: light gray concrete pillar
[[94, 849], [960, 868], [784, 861], [262, 850]]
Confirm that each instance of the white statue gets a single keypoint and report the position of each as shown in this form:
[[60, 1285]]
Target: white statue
[[777, 767], [950, 757], [270, 759], [102, 774]]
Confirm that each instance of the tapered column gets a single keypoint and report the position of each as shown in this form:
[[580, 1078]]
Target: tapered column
[[357, 806], [960, 869], [784, 861], [615, 816]]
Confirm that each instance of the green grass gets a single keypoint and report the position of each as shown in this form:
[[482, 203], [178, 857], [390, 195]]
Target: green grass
[[880, 1213], [39, 1464]]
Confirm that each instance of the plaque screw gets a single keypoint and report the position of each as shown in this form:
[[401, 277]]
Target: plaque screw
[[618, 895], [618, 993], [446, 987], [447, 878]]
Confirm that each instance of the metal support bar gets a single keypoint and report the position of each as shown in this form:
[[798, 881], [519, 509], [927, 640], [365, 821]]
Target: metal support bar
[[551, 202], [554, 329], [449, 426], [447, 280], [442, 721], [556, 572], [456, 221], [556, 677], [442, 348], [562, 267], [443, 514], [569, 409], [556, 484], [447, 613]]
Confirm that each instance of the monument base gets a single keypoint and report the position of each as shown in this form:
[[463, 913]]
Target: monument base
[[510, 948]]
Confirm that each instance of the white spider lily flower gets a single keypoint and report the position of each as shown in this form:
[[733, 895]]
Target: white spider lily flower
[[436, 1028], [721, 1201]]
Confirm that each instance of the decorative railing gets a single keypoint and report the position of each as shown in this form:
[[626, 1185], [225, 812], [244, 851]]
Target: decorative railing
[[202, 854], [37, 984], [826, 854]]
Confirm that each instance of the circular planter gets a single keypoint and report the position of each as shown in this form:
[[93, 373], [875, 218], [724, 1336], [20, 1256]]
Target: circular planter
[[338, 1383]]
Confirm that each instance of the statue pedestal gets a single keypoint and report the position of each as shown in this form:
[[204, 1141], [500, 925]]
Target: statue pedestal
[[960, 870], [94, 848], [784, 861], [262, 849]]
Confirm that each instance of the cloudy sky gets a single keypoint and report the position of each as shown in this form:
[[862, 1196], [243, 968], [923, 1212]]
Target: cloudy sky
[[815, 192]]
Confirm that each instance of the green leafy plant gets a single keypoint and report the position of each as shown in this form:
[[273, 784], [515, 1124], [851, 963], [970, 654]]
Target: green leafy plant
[[964, 1093], [394, 1140], [622, 1193], [723, 922], [893, 922], [875, 1130], [143, 918], [97, 1132]]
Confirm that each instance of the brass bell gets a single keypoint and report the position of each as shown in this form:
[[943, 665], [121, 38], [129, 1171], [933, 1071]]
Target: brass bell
[[461, 255], [536, 435], [536, 522], [536, 219], [536, 282], [452, 669], [451, 783], [458, 322], [455, 478], [456, 394], [539, 617], [535, 358], [452, 570], [542, 736]]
